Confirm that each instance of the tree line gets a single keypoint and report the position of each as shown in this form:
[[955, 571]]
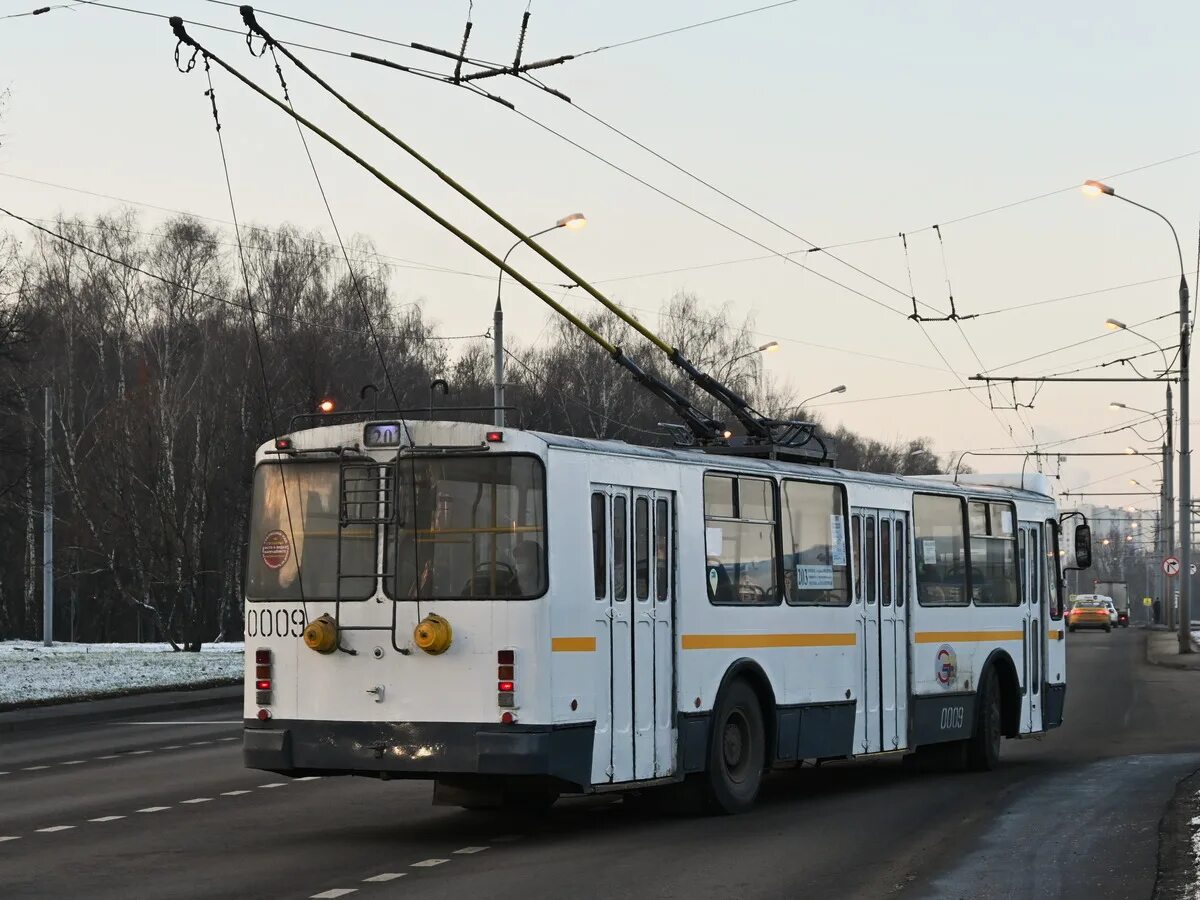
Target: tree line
[[163, 384]]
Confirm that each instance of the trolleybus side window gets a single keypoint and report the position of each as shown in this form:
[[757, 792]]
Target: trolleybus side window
[[641, 547], [740, 538], [620, 549], [885, 561], [1052, 580], [941, 550], [869, 562], [293, 552], [901, 565], [815, 568], [662, 551], [470, 527], [994, 554], [856, 546], [599, 548]]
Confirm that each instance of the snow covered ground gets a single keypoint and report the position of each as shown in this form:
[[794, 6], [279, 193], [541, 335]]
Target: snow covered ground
[[31, 674]]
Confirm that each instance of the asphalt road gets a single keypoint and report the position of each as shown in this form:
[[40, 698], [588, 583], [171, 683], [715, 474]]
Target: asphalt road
[[126, 809]]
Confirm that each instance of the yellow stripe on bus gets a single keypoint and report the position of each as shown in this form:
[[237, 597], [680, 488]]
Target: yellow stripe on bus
[[965, 637], [573, 644], [755, 641]]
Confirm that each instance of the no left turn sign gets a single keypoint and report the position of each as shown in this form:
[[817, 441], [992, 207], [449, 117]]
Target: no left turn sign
[[1170, 566]]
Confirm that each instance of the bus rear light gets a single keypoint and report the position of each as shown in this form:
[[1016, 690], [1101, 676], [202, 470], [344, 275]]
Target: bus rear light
[[262, 684], [495, 437], [506, 684], [262, 671], [506, 687], [263, 715], [262, 656], [505, 698], [505, 657], [262, 698], [283, 443], [508, 719], [505, 672]]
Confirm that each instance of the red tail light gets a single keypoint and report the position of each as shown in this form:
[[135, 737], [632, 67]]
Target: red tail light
[[262, 680], [262, 684], [263, 715], [506, 685], [495, 437], [506, 719]]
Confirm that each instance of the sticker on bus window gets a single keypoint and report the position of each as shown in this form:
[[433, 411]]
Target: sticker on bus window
[[276, 549], [713, 540], [929, 552], [814, 578], [1006, 521], [837, 540]]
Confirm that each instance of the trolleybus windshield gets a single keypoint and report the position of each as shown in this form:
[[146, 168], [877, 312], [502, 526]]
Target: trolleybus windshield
[[469, 527]]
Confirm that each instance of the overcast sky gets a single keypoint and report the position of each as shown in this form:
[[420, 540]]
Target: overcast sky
[[841, 122]]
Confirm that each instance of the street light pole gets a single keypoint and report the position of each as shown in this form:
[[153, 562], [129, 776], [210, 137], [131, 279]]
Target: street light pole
[[575, 221], [1185, 447]]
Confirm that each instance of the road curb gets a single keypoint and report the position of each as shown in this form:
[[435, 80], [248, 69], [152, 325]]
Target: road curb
[[1167, 663], [62, 714]]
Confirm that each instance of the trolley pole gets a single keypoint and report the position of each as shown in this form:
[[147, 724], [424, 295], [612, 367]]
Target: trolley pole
[[498, 362], [48, 529]]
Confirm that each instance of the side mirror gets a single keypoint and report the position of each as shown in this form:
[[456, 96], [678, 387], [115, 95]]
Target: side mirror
[[1083, 546]]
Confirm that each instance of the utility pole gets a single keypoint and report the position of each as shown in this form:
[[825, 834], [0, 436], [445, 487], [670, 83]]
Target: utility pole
[[498, 362], [1168, 513], [48, 529], [1185, 472]]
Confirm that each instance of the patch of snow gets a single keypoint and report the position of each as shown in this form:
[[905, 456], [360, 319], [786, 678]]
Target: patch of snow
[[31, 673]]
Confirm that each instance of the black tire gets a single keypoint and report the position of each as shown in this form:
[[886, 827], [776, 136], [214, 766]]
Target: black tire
[[737, 752], [983, 747]]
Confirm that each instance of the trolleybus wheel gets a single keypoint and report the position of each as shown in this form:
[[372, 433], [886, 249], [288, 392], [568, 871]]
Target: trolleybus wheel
[[737, 751], [983, 747]]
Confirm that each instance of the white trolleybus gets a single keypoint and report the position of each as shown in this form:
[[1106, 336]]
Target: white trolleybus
[[516, 615]]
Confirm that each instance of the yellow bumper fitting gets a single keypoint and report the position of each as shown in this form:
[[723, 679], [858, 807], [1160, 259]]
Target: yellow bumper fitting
[[433, 634], [321, 634]]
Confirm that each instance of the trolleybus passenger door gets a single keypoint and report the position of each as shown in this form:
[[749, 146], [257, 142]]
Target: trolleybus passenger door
[[602, 748], [893, 632], [865, 535], [663, 598], [1030, 551], [621, 659], [651, 613]]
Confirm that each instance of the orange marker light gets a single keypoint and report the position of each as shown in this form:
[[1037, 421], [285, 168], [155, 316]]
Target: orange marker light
[[325, 406]]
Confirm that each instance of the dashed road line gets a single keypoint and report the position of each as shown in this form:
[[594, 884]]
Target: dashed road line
[[274, 784], [9, 837], [426, 863], [135, 752], [385, 876], [54, 828], [466, 850], [305, 778], [332, 892], [199, 743], [111, 756], [197, 800], [237, 738], [172, 747], [233, 793], [106, 819], [73, 762], [153, 809], [34, 768], [4, 773]]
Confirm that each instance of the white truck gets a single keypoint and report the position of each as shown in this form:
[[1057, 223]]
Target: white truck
[[1118, 592]]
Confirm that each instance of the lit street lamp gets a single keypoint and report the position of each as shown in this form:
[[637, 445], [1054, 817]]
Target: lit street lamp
[[573, 222], [1097, 188], [840, 389]]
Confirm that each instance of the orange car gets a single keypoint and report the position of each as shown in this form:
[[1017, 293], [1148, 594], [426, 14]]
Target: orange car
[[1090, 614]]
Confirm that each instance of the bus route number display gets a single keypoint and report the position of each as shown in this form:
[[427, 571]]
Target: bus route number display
[[383, 434]]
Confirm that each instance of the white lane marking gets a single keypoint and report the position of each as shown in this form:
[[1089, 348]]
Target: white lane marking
[[425, 863], [150, 809], [172, 747], [106, 819], [200, 743], [274, 784], [470, 850], [385, 876], [136, 752], [305, 778], [9, 837], [54, 828], [220, 722], [73, 762], [238, 738], [332, 892], [34, 768], [112, 756], [197, 800], [233, 793], [4, 773]]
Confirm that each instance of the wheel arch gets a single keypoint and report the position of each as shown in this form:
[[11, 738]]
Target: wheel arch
[[754, 675], [1010, 690]]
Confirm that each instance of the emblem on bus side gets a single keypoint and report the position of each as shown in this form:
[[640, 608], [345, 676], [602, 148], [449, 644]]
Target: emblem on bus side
[[945, 665]]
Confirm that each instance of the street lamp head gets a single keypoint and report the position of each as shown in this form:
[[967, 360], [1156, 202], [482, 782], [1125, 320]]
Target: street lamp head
[[1097, 188], [1131, 451], [769, 347], [1116, 405], [1115, 325], [840, 389], [574, 221]]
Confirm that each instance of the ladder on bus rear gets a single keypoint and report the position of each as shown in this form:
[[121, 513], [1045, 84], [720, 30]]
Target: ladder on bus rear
[[367, 497]]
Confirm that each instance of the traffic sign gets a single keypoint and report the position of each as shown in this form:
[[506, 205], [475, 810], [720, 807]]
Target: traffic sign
[[1170, 566], [1146, 601]]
